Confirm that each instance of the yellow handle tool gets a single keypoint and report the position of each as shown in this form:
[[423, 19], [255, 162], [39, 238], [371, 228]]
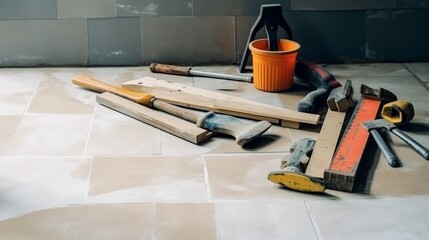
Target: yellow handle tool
[[95, 85], [398, 112]]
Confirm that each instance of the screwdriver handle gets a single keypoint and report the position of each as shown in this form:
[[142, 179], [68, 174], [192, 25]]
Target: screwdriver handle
[[98, 86], [170, 69], [424, 152]]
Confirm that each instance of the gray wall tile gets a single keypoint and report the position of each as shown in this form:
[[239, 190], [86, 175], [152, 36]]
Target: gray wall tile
[[191, 40], [43, 42], [114, 41], [233, 7], [398, 35], [412, 3], [243, 26], [329, 36], [86, 8], [341, 5], [154, 8], [182, 30], [28, 9]]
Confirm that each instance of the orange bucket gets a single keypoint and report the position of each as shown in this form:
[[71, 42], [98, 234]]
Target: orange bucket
[[273, 71]]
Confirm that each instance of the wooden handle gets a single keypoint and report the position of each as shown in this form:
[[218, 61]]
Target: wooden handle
[[176, 111], [170, 69], [98, 86]]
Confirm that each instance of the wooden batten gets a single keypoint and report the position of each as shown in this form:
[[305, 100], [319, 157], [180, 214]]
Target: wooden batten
[[207, 100], [326, 144], [168, 123]]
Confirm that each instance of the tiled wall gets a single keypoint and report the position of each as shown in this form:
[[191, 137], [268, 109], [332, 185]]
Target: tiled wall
[[135, 32]]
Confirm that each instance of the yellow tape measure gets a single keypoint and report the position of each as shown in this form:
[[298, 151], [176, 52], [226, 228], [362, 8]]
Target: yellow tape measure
[[398, 112]]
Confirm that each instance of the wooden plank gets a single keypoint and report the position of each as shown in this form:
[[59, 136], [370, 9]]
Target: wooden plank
[[207, 100], [176, 126], [326, 143]]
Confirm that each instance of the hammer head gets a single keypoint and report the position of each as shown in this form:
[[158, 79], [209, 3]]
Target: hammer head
[[379, 123], [341, 98], [379, 94]]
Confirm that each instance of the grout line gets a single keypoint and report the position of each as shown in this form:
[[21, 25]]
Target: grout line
[[85, 155], [89, 181], [24, 112], [426, 86], [155, 220], [34, 93], [88, 135], [161, 150], [206, 179], [290, 135], [313, 221]]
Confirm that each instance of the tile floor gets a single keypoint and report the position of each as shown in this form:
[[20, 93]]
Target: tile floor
[[73, 169]]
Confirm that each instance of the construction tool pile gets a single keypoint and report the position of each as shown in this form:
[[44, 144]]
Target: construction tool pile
[[312, 166], [333, 161]]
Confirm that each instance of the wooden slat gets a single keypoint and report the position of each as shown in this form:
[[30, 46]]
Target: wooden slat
[[326, 143], [176, 126], [204, 99]]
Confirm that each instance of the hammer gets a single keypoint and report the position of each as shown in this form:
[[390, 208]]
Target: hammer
[[373, 126], [292, 176], [341, 98], [243, 133]]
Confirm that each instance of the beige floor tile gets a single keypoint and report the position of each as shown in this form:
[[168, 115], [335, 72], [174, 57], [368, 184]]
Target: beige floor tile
[[372, 219], [406, 87], [8, 125], [216, 190], [290, 99], [306, 132], [50, 135], [29, 184], [264, 220], [121, 221], [139, 72], [13, 105], [185, 221], [178, 178], [19, 82], [115, 134], [421, 71], [171, 144], [244, 176], [57, 94], [276, 139], [66, 74], [418, 128], [346, 71]]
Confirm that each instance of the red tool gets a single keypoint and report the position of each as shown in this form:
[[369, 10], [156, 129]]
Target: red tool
[[322, 80], [342, 172]]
